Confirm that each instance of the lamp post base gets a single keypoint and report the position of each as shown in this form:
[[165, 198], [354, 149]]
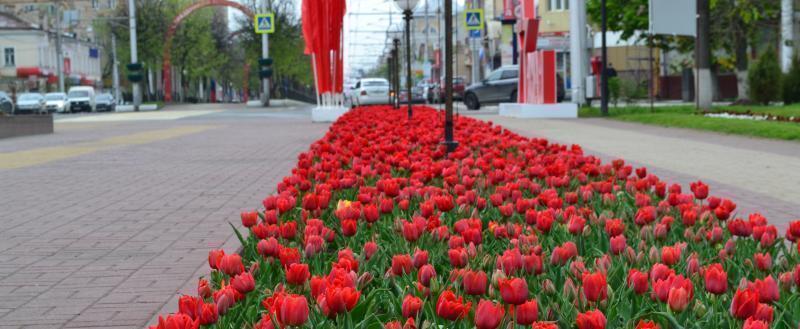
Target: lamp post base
[[450, 145]]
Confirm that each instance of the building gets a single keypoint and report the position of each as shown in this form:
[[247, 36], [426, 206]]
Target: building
[[29, 58], [78, 16], [427, 42]]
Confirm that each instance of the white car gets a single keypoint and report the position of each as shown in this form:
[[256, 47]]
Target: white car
[[31, 103], [81, 98], [372, 91], [56, 102]]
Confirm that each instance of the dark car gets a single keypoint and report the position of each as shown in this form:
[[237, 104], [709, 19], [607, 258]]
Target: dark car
[[417, 96], [437, 95], [501, 86], [105, 102], [6, 104]]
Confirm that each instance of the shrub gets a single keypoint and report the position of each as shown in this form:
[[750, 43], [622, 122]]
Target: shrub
[[631, 90], [791, 83], [765, 78]]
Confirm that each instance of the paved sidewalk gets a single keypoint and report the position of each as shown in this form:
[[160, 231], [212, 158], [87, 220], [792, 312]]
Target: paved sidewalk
[[106, 238], [758, 174]]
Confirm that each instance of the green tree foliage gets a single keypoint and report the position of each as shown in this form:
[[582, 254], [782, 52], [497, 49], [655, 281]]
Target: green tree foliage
[[765, 78], [791, 83]]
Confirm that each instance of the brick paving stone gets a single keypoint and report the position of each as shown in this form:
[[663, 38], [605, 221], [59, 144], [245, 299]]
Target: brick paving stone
[[107, 239]]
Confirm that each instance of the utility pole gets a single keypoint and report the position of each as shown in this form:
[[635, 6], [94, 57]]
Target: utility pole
[[604, 73], [59, 48], [115, 66], [449, 142], [137, 95], [265, 54], [578, 56], [787, 34], [704, 85]]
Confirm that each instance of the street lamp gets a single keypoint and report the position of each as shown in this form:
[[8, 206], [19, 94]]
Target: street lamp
[[449, 142], [395, 34], [407, 6]]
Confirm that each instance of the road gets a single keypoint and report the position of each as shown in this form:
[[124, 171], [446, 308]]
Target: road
[[105, 220]]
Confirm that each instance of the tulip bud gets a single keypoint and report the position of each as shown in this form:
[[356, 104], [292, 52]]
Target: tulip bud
[[630, 255], [496, 276], [654, 257], [730, 247], [549, 288], [364, 280], [699, 309], [786, 280]]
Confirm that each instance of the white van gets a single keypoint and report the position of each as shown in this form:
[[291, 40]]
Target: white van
[[81, 98]]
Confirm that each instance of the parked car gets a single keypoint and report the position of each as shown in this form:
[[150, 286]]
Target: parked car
[[81, 98], [501, 86], [370, 91], [56, 102], [417, 95], [6, 104], [437, 95], [105, 102], [31, 103]]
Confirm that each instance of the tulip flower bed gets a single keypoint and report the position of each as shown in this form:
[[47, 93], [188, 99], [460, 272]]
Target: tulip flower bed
[[377, 228]]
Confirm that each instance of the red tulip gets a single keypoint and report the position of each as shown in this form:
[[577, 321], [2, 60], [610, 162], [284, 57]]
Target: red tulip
[[593, 319], [678, 299], [563, 253], [614, 227], [370, 248], [488, 315], [297, 274], [647, 324], [207, 314], [740, 227], [411, 306], [767, 288], [268, 248], [214, 257], [793, 232], [474, 282], [745, 303], [401, 264], [699, 189], [716, 279], [177, 321], [544, 325], [294, 310], [203, 289], [231, 265], [451, 307], [670, 255], [371, 213], [763, 261], [751, 323], [244, 283], [618, 244], [764, 312], [289, 256], [514, 291], [458, 257], [420, 258], [249, 218], [425, 274], [638, 281], [336, 300], [527, 313], [349, 227], [595, 288]]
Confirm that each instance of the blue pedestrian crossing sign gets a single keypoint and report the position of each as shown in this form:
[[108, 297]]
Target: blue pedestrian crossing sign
[[473, 19], [265, 23]]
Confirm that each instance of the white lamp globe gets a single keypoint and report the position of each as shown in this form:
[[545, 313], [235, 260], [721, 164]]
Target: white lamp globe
[[406, 5]]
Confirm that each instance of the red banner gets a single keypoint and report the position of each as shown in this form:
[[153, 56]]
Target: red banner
[[508, 10]]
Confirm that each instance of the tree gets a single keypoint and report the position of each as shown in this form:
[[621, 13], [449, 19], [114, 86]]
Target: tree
[[765, 78], [736, 26]]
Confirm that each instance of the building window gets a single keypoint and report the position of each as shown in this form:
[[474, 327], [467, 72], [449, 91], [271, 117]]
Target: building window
[[559, 5], [8, 56]]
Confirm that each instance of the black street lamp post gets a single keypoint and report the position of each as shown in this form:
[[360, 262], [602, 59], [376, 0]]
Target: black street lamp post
[[407, 6], [396, 76], [449, 143]]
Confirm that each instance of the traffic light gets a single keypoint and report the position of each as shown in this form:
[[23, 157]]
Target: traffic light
[[266, 68], [135, 72]]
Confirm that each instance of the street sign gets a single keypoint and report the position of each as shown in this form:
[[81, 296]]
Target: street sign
[[473, 19], [475, 34], [265, 23]]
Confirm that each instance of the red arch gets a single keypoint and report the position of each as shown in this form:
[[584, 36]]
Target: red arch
[[174, 27]]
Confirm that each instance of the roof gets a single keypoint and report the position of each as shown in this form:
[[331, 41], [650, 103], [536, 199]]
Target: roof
[[11, 22]]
